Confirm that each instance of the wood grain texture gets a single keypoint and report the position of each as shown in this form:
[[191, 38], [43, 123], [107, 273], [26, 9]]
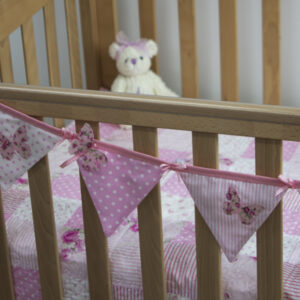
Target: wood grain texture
[[271, 51], [269, 163], [264, 121], [90, 38], [147, 16], [188, 48], [229, 49], [52, 51], [270, 235], [14, 13], [150, 224], [205, 154], [95, 241], [45, 231], [107, 30], [31, 64], [6, 71], [73, 42], [7, 288]]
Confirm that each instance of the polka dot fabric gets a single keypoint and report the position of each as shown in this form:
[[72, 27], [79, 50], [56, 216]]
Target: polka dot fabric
[[119, 186], [39, 141]]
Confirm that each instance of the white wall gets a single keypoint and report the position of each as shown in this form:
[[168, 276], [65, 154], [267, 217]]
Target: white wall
[[250, 47]]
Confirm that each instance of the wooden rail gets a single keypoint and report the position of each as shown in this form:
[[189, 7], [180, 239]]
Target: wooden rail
[[265, 121]]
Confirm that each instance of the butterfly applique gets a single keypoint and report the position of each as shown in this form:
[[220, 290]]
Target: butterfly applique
[[90, 158], [233, 206], [17, 143]]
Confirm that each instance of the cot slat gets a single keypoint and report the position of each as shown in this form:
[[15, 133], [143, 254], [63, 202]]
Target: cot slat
[[73, 41], [150, 224], [270, 236], [31, 65], [51, 42], [45, 232], [7, 288], [188, 48], [229, 49], [90, 43], [95, 240], [13, 13], [271, 51], [205, 154], [268, 162], [107, 30], [6, 72], [147, 18]]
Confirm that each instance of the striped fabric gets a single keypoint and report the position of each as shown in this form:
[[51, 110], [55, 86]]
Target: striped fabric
[[232, 230]]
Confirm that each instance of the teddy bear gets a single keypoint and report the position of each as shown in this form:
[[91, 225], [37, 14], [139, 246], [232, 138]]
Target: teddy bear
[[133, 61]]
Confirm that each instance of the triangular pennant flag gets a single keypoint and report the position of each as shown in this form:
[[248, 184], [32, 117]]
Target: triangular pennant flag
[[21, 145], [232, 209], [118, 186]]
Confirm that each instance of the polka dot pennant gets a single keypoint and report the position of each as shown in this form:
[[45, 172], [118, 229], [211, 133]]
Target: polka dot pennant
[[27, 144], [119, 186]]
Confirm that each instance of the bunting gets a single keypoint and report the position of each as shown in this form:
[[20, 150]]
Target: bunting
[[233, 205]]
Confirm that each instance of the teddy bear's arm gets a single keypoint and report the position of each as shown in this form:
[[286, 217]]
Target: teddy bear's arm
[[160, 87], [119, 85]]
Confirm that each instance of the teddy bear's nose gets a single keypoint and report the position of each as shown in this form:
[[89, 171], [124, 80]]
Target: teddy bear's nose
[[133, 61]]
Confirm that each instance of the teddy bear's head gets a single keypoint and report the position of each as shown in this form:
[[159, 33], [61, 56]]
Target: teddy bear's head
[[132, 58]]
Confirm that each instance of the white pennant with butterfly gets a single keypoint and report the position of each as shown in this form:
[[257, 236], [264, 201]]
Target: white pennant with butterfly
[[232, 209]]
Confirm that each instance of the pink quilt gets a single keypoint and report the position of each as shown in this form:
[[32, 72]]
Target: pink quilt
[[239, 277]]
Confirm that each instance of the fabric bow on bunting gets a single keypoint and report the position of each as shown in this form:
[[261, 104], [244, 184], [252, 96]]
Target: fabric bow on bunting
[[17, 143], [85, 150], [288, 184]]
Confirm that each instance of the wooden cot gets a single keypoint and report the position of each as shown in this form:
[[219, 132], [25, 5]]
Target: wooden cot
[[206, 119]]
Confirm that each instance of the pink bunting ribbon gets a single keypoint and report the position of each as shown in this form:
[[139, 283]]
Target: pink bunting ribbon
[[66, 135], [289, 184], [166, 168]]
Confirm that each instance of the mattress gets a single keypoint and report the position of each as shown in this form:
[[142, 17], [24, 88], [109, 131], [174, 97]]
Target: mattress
[[239, 277]]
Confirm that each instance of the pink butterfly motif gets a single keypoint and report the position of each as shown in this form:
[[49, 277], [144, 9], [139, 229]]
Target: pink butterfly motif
[[83, 146], [233, 206], [17, 143]]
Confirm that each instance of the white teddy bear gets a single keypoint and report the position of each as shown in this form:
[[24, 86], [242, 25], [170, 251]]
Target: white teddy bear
[[133, 62]]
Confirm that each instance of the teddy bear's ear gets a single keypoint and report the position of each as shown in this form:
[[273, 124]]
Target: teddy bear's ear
[[113, 50], [152, 48]]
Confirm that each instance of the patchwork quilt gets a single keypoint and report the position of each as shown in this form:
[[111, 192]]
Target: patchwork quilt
[[239, 277]]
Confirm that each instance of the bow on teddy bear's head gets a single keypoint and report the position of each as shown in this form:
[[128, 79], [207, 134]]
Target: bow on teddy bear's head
[[133, 58]]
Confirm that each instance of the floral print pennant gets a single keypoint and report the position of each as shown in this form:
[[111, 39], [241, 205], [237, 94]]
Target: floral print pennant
[[21, 146]]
